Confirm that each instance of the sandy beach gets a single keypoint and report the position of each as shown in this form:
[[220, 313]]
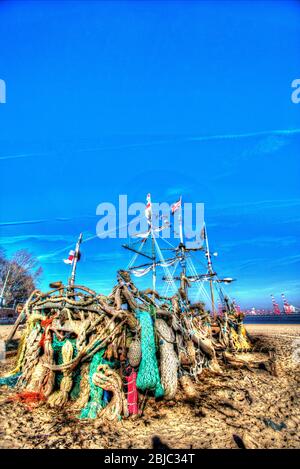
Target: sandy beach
[[241, 407], [5, 330]]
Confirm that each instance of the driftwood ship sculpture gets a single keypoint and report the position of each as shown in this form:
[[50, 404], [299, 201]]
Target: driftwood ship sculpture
[[100, 355]]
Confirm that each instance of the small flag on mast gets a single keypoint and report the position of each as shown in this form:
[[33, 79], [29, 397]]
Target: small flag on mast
[[70, 258], [176, 206], [148, 210]]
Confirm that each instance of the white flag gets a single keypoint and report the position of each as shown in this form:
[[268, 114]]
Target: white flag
[[148, 210], [70, 258]]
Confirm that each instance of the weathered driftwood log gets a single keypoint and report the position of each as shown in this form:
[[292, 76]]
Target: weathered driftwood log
[[129, 298], [148, 292], [204, 343], [249, 363], [118, 298]]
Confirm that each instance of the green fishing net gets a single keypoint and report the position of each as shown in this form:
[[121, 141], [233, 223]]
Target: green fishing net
[[98, 397], [95, 403], [148, 374]]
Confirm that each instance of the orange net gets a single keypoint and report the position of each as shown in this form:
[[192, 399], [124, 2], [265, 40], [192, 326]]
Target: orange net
[[45, 324], [27, 398]]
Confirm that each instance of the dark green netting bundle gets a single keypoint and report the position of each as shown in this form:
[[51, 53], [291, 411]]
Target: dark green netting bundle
[[148, 374], [98, 398], [95, 403]]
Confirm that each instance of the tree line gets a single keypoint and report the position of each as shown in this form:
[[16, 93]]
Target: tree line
[[18, 277]]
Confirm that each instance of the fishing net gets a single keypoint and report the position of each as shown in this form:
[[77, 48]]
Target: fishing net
[[95, 403], [148, 374]]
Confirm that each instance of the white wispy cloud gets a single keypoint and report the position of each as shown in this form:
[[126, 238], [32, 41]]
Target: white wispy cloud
[[38, 221], [175, 140], [286, 260], [6, 240], [258, 205], [22, 222], [52, 257], [263, 241], [21, 155], [282, 132], [266, 145], [203, 138]]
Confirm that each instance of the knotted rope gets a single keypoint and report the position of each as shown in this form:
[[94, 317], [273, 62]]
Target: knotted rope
[[168, 358], [94, 404], [109, 380]]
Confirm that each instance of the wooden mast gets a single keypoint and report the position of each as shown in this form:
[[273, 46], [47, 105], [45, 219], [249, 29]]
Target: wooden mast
[[183, 282], [76, 259], [211, 272], [153, 264], [150, 222]]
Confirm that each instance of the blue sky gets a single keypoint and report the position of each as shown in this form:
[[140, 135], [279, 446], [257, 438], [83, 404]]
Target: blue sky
[[191, 98]]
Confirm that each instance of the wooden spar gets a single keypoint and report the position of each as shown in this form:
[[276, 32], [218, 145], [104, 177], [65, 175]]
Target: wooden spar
[[180, 222], [150, 263], [153, 266], [194, 277], [76, 258], [182, 249], [125, 246], [153, 255], [15, 327]]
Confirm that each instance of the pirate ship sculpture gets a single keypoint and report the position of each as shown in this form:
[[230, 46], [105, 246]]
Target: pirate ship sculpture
[[100, 355]]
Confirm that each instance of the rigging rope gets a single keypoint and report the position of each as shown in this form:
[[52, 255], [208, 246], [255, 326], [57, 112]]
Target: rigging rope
[[166, 269]]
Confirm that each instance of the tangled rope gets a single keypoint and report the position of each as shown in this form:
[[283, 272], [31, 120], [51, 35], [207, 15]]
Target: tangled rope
[[168, 359], [90, 351], [109, 380]]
